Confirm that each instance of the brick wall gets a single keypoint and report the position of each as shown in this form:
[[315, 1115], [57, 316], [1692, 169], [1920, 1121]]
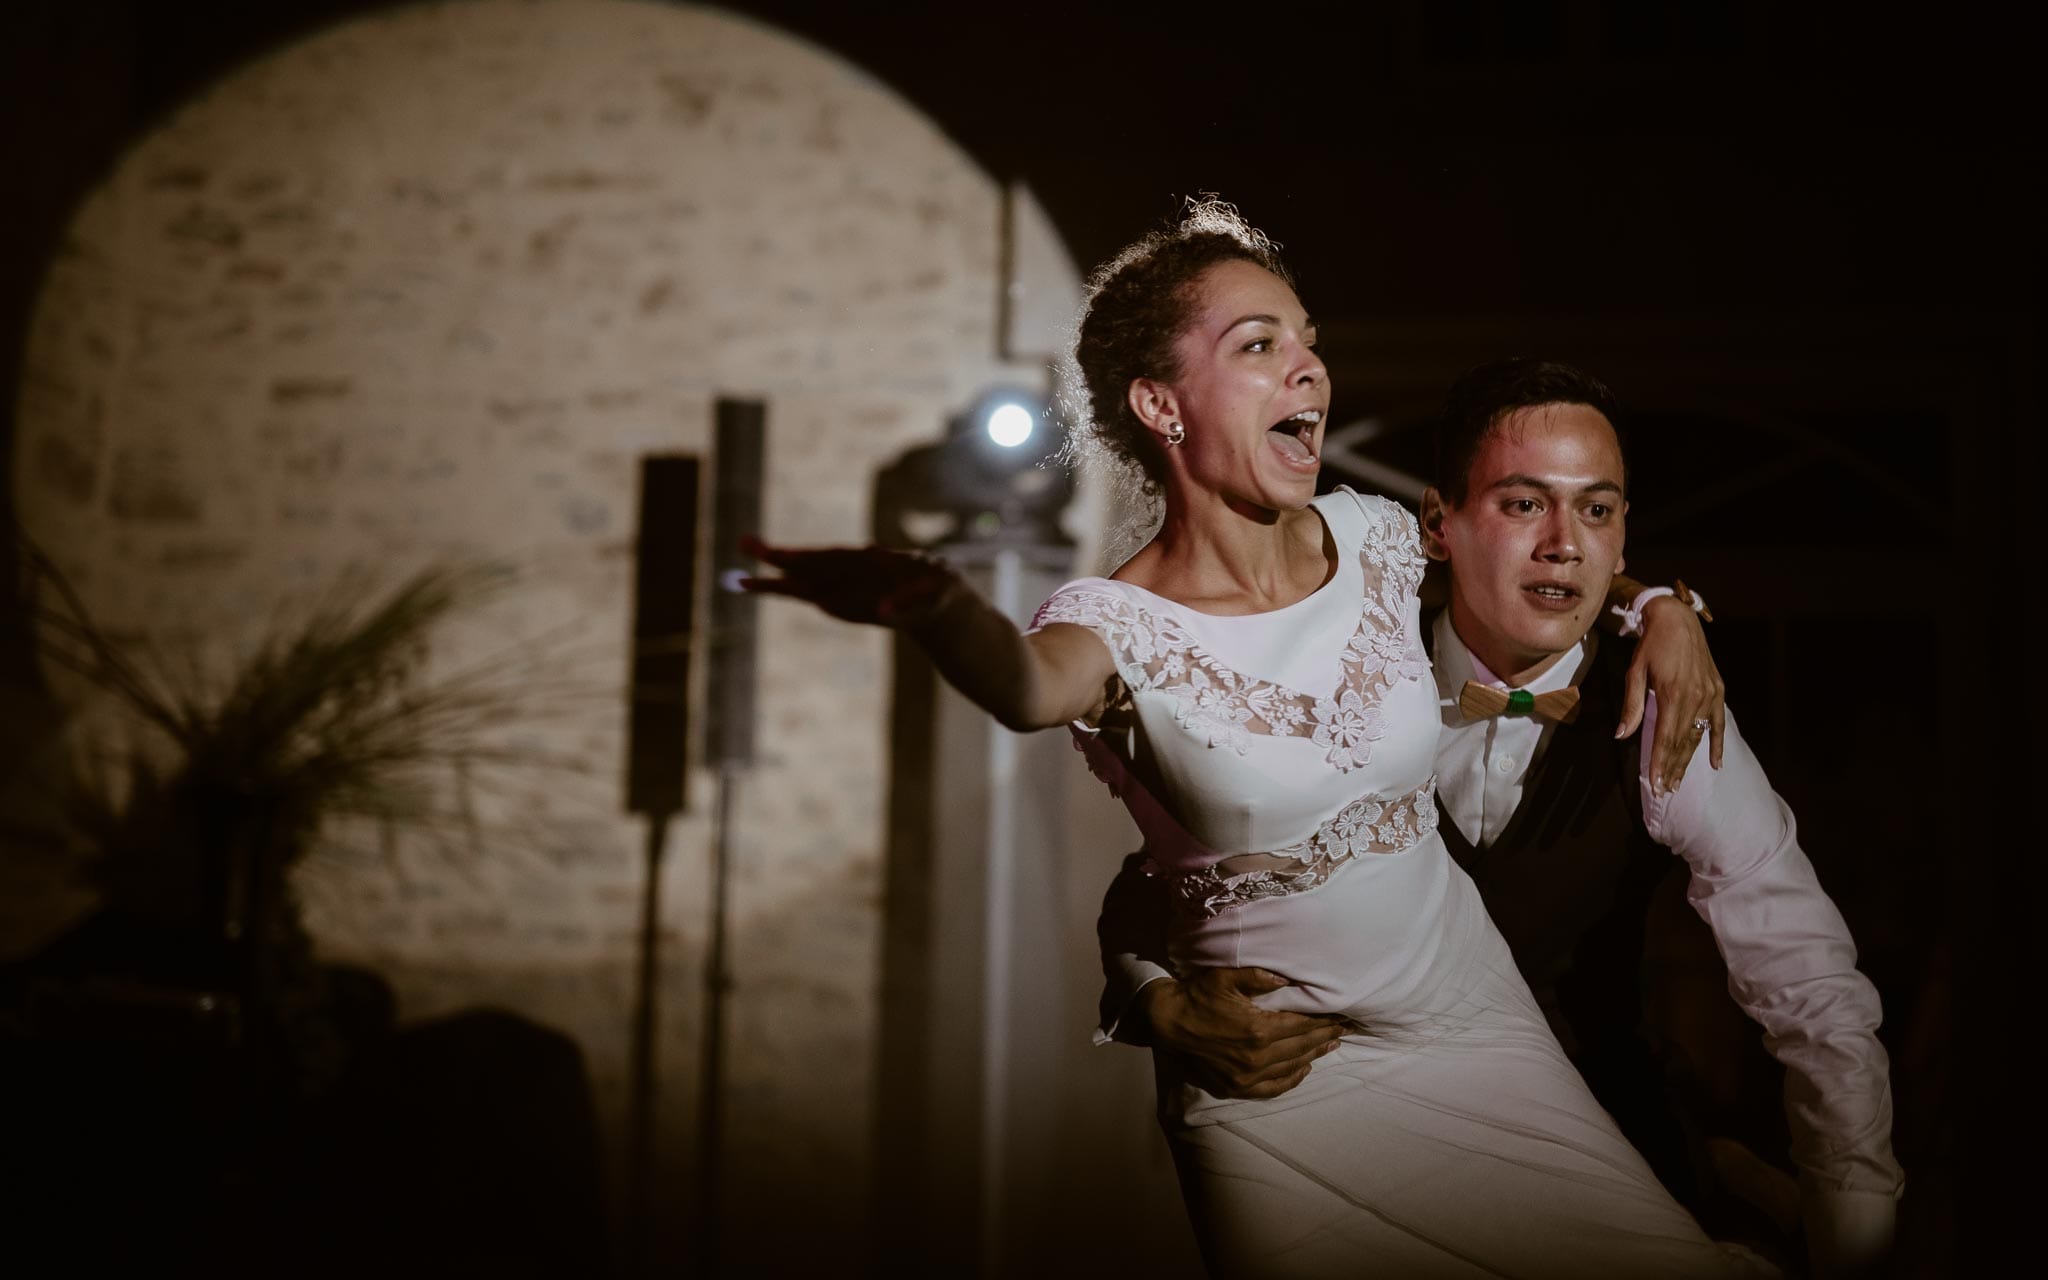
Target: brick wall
[[427, 285]]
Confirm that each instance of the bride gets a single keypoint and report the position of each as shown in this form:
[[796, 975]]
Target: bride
[[1252, 684]]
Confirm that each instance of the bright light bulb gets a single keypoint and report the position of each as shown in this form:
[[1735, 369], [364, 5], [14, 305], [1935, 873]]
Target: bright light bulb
[[1010, 425]]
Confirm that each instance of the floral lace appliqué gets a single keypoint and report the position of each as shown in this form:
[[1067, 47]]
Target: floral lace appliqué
[[1369, 825], [1154, 652]]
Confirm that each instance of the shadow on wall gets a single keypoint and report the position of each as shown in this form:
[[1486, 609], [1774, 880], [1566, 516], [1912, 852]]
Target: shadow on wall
[[140, 1138]]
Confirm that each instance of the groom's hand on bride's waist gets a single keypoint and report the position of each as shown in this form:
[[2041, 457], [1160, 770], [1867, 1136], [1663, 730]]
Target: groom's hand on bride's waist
[[1231, 1046]]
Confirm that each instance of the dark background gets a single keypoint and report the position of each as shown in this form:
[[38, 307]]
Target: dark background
[[1803, 246]]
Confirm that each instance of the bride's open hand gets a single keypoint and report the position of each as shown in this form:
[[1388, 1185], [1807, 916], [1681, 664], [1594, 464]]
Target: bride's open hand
[[858, 584]]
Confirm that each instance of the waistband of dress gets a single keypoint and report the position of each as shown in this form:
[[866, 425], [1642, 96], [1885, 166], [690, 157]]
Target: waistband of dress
[[1370, 825]]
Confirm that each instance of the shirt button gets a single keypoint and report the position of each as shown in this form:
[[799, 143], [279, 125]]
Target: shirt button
[[1505, 764]]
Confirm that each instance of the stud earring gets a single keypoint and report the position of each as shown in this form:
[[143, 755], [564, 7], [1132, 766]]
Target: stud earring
[[1175, 433]]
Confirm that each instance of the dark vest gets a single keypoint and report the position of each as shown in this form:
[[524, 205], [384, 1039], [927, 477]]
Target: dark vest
[[1569, 884], [1569, 881]]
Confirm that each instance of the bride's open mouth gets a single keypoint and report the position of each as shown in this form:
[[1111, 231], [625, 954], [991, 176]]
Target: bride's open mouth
[[1294, 437]]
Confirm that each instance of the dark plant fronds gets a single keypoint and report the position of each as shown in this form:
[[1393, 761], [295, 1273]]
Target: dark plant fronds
[[335, 713]]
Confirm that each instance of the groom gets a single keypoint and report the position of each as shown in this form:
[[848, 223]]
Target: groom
[[1565, 835]]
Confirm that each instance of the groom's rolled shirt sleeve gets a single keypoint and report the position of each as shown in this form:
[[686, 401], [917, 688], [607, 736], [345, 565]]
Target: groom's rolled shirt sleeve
[[1792, 968], [1131, 934]]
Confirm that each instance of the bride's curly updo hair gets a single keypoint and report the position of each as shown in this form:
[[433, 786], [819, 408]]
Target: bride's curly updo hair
[[1136, 305]]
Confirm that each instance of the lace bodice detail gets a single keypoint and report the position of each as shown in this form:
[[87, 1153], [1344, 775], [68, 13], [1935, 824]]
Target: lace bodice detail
[[1366, 825], [1324, 776], [1156, 652]]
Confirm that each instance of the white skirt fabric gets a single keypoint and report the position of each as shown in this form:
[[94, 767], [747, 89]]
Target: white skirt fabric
[[1447, 1136]]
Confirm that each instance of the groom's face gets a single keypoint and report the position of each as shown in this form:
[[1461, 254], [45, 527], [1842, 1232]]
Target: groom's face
[[1539, 535]]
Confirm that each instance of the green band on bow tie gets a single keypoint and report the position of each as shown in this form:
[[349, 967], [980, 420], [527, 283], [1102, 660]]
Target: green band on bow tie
[[1477, 701]]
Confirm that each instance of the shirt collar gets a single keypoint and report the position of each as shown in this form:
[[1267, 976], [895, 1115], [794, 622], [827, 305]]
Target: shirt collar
[[1455, 664]]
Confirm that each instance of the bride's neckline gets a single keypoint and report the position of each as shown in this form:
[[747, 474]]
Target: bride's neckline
[[1334, 561]]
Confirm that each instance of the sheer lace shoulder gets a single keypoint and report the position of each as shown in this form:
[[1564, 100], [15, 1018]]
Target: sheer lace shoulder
[[1156, 650], [1393, 539]]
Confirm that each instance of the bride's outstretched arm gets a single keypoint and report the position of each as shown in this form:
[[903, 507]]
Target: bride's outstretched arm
[[1056, 674]]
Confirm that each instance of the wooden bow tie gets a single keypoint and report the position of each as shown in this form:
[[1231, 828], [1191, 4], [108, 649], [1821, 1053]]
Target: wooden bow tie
[[1479, 701]]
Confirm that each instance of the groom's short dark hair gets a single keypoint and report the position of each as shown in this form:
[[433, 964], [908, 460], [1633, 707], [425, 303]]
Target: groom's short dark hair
[[1482, 396]]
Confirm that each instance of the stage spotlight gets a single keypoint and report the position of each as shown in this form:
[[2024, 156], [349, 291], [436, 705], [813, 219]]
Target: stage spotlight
[[996, 479], [1009, 424]]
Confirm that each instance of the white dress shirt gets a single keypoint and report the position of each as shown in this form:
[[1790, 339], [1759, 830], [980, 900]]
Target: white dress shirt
[[1481, 765]]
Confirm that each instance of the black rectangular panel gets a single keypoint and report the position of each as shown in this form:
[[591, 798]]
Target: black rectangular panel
[[735, 511], [664, 613]]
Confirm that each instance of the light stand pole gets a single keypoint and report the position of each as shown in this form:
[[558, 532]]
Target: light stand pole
[[956, 1042], [735, 512], [657, 768], [657, 731]]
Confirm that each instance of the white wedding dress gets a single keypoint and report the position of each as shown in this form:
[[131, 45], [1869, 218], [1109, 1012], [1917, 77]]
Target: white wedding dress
[[1279, 766]]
